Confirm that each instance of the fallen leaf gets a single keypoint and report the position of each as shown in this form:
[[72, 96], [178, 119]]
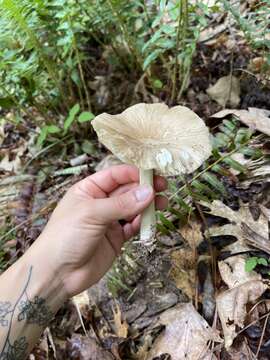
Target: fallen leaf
[[10, 165], [242, 225], [183, 271], [161, 303], [265, 211], [120, 325], [244, 287], [225, 90], [212, 32], [192, 233], [82, 303], [254, 118], [186, 335], [258, 171], [14, 164], [102, 92], [233, 273], [41, 350], [85, 348], [240, 352]]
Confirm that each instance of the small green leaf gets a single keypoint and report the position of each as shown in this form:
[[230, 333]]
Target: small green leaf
[[162, 229], [184, 206], [7, 102], [74, 110], [53, 129], [42, 136], [71, 116], [151, 57], [234, 164], [203, 188], [251, 263], [85, 116], [88, 147], [262, 261], [166, 222], [214, 182], [157, 84]]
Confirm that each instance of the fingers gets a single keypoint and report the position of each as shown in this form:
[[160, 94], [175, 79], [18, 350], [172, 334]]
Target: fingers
[[105, 182], [123, 206], [160, 183], [123, 189], [115, 237], [132, 228], [161, 202]]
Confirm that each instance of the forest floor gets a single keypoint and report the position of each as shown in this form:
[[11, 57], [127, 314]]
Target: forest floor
[[203, 293]]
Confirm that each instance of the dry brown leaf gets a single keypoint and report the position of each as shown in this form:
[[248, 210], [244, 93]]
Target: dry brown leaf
[[183, 271], [233, 273], [210, 33], [120, 326], [244, 287], [265, 211], [258, 171], [85, 348], [241, 352], [254, 118], [192, 234], [225, 91], [10, 165], [242, 226], [186, 335]]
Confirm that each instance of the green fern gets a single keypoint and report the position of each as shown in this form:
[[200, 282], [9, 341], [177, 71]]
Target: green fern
[[207, 184], [20, 13]]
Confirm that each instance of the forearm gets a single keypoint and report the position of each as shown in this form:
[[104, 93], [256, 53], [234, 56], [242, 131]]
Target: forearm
[[30, 294]]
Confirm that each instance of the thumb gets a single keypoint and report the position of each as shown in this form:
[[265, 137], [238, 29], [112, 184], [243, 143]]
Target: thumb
[[125, 205]]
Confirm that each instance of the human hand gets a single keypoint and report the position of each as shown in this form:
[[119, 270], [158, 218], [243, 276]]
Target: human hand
[[83, 235]]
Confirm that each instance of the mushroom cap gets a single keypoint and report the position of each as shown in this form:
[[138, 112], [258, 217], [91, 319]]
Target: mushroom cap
[[153, 136]]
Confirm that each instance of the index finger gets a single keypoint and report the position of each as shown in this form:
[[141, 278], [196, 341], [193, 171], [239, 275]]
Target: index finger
[[105, 181]]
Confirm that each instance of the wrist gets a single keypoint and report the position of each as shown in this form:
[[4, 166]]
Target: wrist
[[46, 277]]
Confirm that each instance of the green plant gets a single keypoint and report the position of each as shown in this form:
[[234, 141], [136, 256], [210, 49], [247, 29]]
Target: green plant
[[255, 24], [41, 54], [73, 115], [207, 183], [253, 261]]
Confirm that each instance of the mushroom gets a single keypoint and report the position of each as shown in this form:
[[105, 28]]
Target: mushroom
[[152, 137]]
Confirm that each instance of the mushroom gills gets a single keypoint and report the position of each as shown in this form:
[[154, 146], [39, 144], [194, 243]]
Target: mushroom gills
[[148, 223]]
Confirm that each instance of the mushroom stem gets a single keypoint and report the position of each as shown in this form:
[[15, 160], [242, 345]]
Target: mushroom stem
[[148, 223]]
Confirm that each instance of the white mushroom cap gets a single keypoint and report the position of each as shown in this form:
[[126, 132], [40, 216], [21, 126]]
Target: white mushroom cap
[[152, 136]]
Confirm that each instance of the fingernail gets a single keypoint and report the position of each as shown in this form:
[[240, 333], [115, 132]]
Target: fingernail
[[143, 192]]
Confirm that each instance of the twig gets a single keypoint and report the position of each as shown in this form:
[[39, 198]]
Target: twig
[[80, 318]]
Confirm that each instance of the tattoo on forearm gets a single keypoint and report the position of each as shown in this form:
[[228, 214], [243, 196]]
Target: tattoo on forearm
[[33, 312], [5, 310], [17, 351]]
